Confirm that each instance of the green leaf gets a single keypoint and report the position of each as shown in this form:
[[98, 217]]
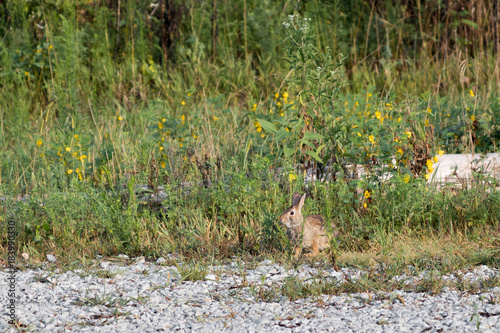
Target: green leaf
[[303, 141], [288, 151], [268, 126], [314, 155], [282, 134], [470, 23], [313, 136]]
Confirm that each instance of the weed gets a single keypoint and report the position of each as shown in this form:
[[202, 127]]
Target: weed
[[105, 274], [192, 271], [106, 300]]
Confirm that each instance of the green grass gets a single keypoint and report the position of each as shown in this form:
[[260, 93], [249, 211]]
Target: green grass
[[97, 112]]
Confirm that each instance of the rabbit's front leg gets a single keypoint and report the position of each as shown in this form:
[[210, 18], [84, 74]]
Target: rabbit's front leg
[[297, 251]]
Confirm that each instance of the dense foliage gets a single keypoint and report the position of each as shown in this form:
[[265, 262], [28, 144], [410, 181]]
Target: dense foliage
[[226, 105]]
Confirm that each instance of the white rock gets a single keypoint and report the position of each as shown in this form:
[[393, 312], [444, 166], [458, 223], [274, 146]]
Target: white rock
[[160, 260], [104, 264]]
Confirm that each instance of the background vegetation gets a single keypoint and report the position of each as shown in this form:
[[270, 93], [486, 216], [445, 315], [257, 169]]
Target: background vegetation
[[208, 98]]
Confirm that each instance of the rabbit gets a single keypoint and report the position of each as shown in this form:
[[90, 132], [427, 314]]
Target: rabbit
[[311, 229]]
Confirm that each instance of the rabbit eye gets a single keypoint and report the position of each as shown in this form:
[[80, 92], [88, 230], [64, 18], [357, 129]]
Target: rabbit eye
[[292, 212]]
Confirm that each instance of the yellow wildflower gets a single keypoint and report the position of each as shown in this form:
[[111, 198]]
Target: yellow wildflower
[[183, 119], [365, 205], [367, 194], [471, 93], [262, 135], [183, 103], [400, 151], [39, 142], [408, 134], [285, 95], [164, 120], [120, 118], [292, 176], [69, 171], [440, 153], [427, 176], [435, 159], [26, 73], [162, 164], [160, 125], [473, 118], [406, 178], [378, 114], [276, 95], [68, 148], [215, 118]]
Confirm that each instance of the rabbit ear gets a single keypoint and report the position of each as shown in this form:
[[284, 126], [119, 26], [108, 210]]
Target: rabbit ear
[[295, 199], [301, 203]]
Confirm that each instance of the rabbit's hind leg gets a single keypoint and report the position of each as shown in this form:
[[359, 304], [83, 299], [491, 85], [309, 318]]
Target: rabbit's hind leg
[[315, 248]]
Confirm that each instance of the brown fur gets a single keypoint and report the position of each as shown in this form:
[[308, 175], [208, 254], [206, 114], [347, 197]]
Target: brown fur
[[311, 229]]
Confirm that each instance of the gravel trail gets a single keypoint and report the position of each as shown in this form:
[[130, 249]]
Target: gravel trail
[[150, 297]]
